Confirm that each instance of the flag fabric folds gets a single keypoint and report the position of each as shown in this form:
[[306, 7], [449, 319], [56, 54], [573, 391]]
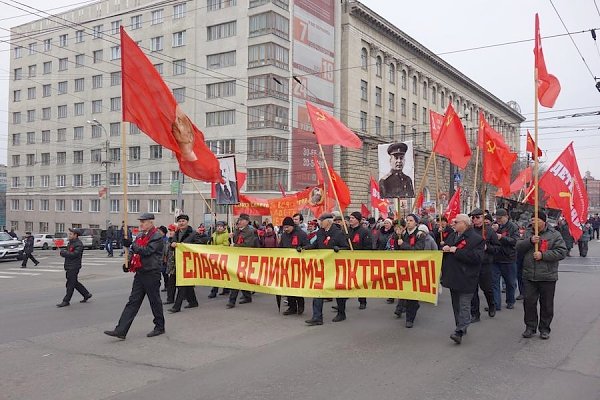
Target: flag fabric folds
[[435, 125], [452, 142], [149, 103], [497, 157], [531, 146], [329, 130], [342, 190], [318, 172], [364, 210], [548, 84], [376, 201], [519, 183], [453, 208], [562, 182]]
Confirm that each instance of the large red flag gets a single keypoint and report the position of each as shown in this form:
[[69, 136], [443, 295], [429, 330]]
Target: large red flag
[[520, 181], [497, 157], [149, 103], [342, 190], [548, 84], [435, 124], [453, 206], [531, 146], [330, 130], [452, 142], [563, 183]]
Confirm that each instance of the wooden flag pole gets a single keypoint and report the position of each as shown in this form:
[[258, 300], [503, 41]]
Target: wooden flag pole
[[476, 175], [124, 185], [337, 200], [423, 180], [536, 163], [203, 198]]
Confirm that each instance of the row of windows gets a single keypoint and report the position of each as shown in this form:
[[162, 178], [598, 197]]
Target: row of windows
[[95, 205], [77, 180], [78, 133]]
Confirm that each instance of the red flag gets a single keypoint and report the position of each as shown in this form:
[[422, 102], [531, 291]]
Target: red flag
[[453, 206], [281, 189], [318, 171], [252, 206], [548, 84], [419, 202], [523, 179], [452, 142], [497, 157], [563, 183], [531, 146], [329, 130], [149, 103], [364, 210], [435, 124], [376, 200], [342, 190]]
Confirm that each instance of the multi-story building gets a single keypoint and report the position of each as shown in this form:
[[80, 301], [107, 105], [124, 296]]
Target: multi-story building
[[3, 196], [242, 70]]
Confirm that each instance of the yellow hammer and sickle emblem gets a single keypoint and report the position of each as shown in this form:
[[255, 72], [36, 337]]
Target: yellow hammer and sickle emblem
[[567, 194], [491, 146], [449, 120], [320, 116]]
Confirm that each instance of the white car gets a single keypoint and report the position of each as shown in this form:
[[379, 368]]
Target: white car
[[43, 241], [10, 247]]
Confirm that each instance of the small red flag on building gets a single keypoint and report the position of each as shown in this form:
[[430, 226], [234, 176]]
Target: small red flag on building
[[548, 84], [452, 142], [453, 206], [531, 146], [329, 130]]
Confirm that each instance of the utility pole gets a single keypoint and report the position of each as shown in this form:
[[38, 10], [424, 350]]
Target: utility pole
[[106, 163]]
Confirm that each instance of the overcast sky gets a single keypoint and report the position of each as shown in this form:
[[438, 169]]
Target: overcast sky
[[443, 26]]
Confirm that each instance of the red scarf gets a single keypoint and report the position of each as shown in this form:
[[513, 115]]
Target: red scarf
[[142, 240]]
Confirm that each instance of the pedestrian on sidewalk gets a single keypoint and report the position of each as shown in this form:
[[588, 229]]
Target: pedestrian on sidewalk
[[72, 255], [28, 251], [584, 240]]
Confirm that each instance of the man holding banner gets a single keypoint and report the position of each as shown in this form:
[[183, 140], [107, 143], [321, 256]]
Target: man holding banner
[[293, 237], [361, 240], [244, 236]]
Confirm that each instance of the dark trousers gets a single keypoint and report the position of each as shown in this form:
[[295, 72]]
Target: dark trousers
[[317, 308], [26, 257], [72, 284], [596, 232], [583, 247], [461, 308], [165, 277], [520, 275], [485, 284], [185, 292], [109, 247], [233, 294], [215, 290], [295, 303], [144, 284], [507, 271], [410, 306], [341, 306], [171, 288], [543, 292], [362, 300]]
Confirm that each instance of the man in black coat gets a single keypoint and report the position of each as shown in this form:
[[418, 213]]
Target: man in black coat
[[147, 253], [244, 236], [361, 239], [28, 250], [72, 255], [505, 260], [184, 234], [330, 236], [492, 246], [293, 237], [460, 269]]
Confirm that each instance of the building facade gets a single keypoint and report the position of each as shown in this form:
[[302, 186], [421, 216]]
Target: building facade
[[242, 70]]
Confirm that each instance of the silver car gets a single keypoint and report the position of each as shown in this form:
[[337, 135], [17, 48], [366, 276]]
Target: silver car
[[10, 247]]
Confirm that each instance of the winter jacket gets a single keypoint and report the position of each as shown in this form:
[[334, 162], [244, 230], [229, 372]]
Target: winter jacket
[[360, 238], [187, 236], [553, 249], [460, 270], [72, 254], [507, 252], [492, 244], [430, 243], [296, 238], [563, 229], [442, 237], [413, 241], [383, 237], [334, 237], [588, 234], [246, 237], [151, 254], [220, 239], [170, 254], [269, 240], [28, 248]]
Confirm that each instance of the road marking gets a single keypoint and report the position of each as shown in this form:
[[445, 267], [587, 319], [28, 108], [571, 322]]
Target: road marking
[[19, 273], [6, 277], [37, 269]]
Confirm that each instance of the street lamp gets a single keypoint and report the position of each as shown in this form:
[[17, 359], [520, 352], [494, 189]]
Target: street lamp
[[106, 163]]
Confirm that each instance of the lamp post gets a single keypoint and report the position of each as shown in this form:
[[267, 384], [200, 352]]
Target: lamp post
[[106, 163]]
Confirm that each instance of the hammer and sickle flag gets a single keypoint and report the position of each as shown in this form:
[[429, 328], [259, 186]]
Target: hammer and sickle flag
[[452, 141], [331, 131], [497, 157]]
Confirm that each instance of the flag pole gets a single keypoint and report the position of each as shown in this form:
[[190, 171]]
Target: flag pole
[[476, 174], [423, 180], [124, 186], [536, 163], [203, 198], [337, 200]]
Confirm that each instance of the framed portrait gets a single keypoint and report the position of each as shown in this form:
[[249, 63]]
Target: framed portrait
[[396, 170], [227, 192]]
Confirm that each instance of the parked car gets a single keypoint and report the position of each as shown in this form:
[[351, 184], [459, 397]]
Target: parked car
[[90, 238], [43, 241], [60, 240], [10, 247]]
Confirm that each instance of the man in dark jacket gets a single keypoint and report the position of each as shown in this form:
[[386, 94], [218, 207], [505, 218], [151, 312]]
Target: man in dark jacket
[[147, 252], [361, 239], [293, 237], [330, 236], [460, 269], [442, 232], [505, 260], [110, 236], [540, 273], [492, 245], [72, 255], [184, 234], [28, 250], [244, 236]]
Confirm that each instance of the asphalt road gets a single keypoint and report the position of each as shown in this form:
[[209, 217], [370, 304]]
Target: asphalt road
[[252, 352]]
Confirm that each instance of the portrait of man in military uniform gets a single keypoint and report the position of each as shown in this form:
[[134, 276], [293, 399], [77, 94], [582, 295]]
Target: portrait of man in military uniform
[[395, 182]]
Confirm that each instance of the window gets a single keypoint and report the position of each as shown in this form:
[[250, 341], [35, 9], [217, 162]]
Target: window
[[61, 180], [95, 205], [133, 179], [61, 134], [157, 17], [174, 176], [62, 87], [115, 103], [154, 206], [30, 137], [269, 22], [63, 64], [267, 85], [403, 107], [61, 157], [392, 101], [45, 181], [179, 39], [47, 44], [115, 78], [30, 93], [77, 205], [363, 121], [95, 179], [79, 36], [155, 152], [18, 74], [392, 73], [221, 147], [133, 206], [46, 90], [136, 22], [78, 157], [219, 4], [221, 60], [16, 139], [30, 159], [155, 178], [96, 106], [46, 113], [424, 116], [403, 79], [97, 56], [378, 95], [30, 115], [221, 31], [77, 180], [134, 153], [391, 129], [220, 118], [114, 154], [14, 204], [268, 116], [268, 54], [32, 71], [16, 118], [18, 52], [59, 227], [267, 148], [114, 129], [97, 31], [59, 205], [96, 81], [96, 156], [78, 133], [433, 94], [266, 179], [180, 9], [79, 85], [179, 94], [134, 129], [115, 53], [156, 43], [63, 40], [378, 67], [364, 91], [15, 182], [62, 111], [115, 27], [45, 136], [45, 158], [442, 100], [115, 179], [16, 96], [47, 67], [179, 67], [32, 48], [28, 204], [414, 111], [159, 67], [29, 181], [414, 85], [96, 131], [364, 58]]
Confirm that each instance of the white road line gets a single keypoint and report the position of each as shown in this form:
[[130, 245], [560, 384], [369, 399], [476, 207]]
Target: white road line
[[6, 277], [19, 273], [37, 269]]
